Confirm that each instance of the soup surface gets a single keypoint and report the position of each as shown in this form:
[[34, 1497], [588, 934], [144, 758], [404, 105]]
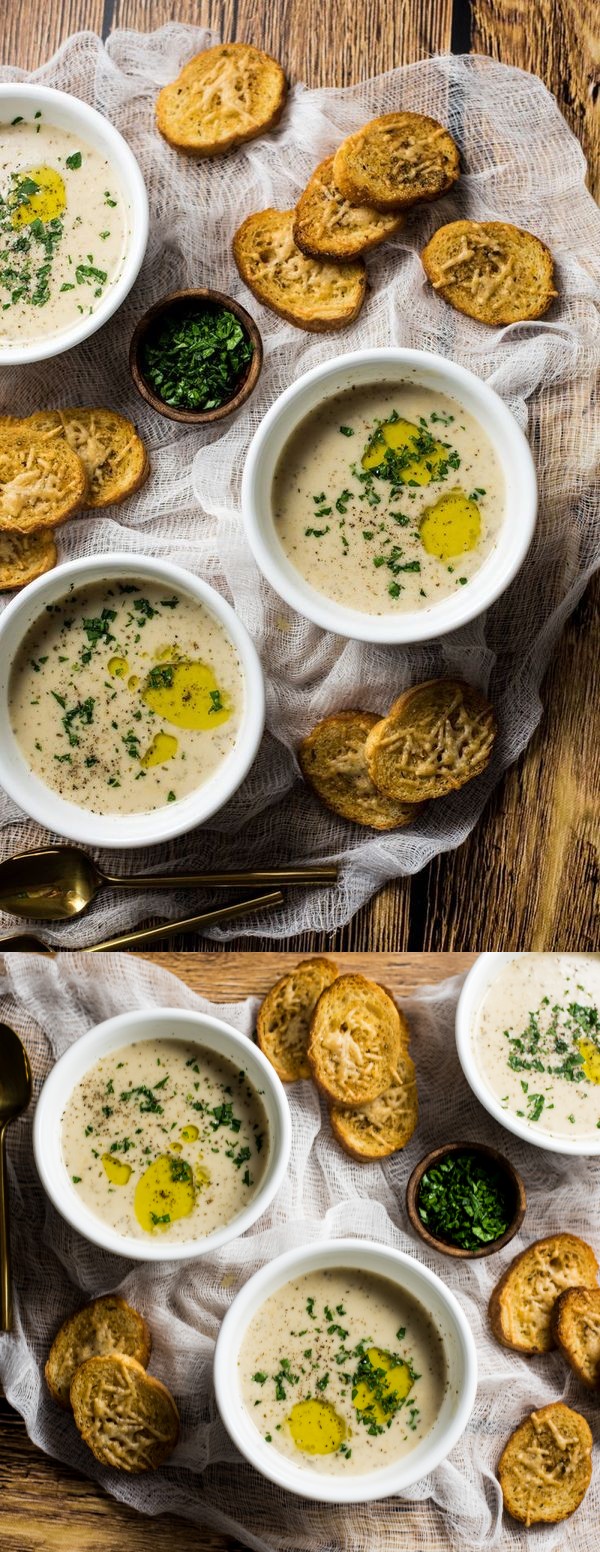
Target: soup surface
[[162, 1137], [342, 1371], [64, 226], [537, 1041], [388, 498], [125, 697]]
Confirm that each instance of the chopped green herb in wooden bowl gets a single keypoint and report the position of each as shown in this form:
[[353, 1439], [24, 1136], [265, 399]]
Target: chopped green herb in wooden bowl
[[196, 356], [466, 1199]]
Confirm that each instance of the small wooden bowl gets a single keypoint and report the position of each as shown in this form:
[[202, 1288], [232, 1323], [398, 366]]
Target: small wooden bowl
[[515, 1184], [179, 301]]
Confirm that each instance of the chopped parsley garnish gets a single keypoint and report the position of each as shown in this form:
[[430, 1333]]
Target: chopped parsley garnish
[[196, 359], [466, 1200]]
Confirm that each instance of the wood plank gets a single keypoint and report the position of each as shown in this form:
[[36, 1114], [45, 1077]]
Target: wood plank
[[231, 976], [31, 33], [32, 1486]]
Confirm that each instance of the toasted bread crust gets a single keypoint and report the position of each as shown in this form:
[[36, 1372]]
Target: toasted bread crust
[[520, 1308], [576, 1330], [386, 1124], [355, 1041], [42, 482], [436, 737], [546, 1467], [397, 160], [283, 1022], [113, 455], [23, 557], [222, 97], [327, 226], [491, 270], [312, 294], [107, 1325], [333, 761], [127, 1418]]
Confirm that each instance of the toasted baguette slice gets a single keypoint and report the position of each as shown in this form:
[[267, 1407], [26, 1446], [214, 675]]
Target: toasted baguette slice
[[355, 1040], [327, 226], [521, 1305], [107, 1325], [436, 737], [576, 1330], [23, 557], [42, 482], [333, 760], [490, 270], [388, 1122], [45, 423], [126, 1417], [112, 453], [221, 98], [312, 294], [546, 1467], [283, 1022], [395, 161]]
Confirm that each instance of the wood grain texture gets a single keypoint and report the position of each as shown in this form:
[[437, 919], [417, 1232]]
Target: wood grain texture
[[231, 976], [47, 1507], [528, 875]]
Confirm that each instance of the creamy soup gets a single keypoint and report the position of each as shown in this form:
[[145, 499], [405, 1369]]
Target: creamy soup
[[165, 1138], [64, 227], [388, 498], [537, 1041], [342, 1371], [126, 696]]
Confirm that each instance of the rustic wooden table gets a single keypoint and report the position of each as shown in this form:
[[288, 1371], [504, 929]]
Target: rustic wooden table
[[44, 1505], [493, 892]]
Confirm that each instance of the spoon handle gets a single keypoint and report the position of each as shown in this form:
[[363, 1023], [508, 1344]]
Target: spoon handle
[[189, 924], [244, 879], [6, 1314]]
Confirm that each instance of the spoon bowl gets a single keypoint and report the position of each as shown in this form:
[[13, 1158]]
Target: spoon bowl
[[15, 1094], [55, 883]]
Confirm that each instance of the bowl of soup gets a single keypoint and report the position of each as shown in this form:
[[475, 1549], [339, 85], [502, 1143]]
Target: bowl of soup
[[345, 1371], [162, 1134], [389, 495], [132, 700], [528, 1041], [73, 221]]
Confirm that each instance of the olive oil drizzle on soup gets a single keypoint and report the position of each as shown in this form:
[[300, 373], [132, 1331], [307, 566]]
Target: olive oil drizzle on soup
[[126, 697], [342, 1371], [164, 1138], [64, 228], [388, 498]]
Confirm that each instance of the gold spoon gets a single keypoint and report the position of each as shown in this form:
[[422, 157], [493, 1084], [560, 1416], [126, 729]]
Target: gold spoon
[[15, 1094], [28, 943], [55, 883]]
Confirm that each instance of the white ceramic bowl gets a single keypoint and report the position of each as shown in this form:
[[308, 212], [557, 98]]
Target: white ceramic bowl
[[163, 1024], [69, 113], [458, 1344], [127, 830], [377, 367], [479, 979]]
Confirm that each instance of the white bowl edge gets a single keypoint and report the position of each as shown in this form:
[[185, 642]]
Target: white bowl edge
[[380, 365], [72, 113], [395, 1265], [122, 1030], [116, 831], [477, 981]]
